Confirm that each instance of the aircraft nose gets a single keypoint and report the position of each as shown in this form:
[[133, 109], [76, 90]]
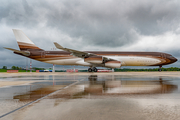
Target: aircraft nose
[[173, 59]]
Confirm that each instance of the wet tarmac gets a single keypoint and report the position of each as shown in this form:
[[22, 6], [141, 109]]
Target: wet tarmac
[[90, 96]]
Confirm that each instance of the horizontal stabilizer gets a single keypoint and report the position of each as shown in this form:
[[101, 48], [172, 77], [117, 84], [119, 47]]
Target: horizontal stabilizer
[[26, 53]]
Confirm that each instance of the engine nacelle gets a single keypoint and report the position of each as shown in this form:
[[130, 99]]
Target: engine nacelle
[[113, 64], [94, 59]]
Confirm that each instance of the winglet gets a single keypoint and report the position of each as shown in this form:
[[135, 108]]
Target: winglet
[[58, 45]]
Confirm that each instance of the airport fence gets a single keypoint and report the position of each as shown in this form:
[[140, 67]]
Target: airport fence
[[12, 71]]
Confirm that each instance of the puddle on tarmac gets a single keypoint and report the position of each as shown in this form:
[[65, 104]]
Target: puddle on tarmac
[[111, 86], [36, 94], [116, 86], [91, 85]]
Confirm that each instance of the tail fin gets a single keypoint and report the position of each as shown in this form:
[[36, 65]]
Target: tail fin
[[23, 41]]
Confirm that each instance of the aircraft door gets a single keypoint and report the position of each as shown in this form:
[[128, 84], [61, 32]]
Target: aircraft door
[[43, 54], [163, 55]]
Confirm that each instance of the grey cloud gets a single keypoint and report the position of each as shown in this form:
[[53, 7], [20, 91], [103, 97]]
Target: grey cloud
[[28, 9], [95, 27], [104, 25], [19, 13], [98, 23], [155, 18], [107, 24]]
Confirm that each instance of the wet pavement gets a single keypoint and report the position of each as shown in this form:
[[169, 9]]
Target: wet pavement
[[92, 96]]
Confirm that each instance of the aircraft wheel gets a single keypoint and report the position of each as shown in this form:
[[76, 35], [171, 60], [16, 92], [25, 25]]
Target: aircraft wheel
[[159, 68], [95, 69], [89, 70]]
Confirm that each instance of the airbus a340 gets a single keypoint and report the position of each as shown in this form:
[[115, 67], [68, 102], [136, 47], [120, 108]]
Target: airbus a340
[[92, 59]]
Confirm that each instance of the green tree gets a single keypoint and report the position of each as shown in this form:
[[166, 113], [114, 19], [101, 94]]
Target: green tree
[[17, 68], [4, 67], [13, 67]]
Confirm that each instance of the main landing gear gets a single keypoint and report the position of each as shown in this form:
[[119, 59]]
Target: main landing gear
[[94, 69], [159, 68]]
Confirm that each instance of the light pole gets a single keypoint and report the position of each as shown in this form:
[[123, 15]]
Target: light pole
[[53, 64], [26, 64], [53, 68], [30, 65]]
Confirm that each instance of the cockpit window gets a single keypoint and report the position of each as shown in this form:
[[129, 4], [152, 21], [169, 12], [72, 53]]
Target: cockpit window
[[171, 56]]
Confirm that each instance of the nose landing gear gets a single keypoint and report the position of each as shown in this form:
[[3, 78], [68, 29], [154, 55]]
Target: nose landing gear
[[160, 68]]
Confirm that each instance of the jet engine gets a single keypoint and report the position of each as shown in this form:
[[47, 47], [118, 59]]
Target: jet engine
[[113, 64], [94, 59]]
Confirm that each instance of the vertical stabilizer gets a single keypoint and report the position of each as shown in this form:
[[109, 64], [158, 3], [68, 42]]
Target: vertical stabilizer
[[23, 41]]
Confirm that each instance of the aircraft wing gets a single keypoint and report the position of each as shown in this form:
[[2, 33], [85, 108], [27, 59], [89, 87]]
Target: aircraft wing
[[74, 52], [81, 54]]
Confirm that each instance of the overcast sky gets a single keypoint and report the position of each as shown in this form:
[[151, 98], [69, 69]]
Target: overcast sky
[[104, 25]]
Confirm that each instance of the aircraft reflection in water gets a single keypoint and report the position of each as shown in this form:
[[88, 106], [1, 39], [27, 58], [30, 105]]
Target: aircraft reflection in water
[[100, 86], [128, 86]]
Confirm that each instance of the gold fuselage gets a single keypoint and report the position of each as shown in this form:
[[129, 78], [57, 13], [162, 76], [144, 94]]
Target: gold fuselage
[[126, 58]]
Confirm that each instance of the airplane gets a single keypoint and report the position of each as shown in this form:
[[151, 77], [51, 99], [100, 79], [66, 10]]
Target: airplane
[[93, 59]]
